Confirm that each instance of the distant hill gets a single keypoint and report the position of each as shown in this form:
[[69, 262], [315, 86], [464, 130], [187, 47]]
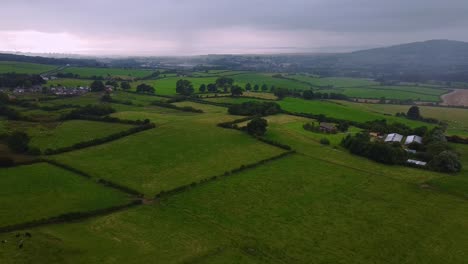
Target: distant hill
[[50, 61], [432, 53]]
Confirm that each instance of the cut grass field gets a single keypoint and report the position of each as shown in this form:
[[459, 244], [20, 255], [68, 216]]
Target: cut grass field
[[38, 191], [24, 67], [183, 149], [271, 214], [87, 72]]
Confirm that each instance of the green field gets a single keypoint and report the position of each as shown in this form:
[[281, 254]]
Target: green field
[[69, 82], [272, 214], [38, 191], [337, 82], [454, 117], [24, 67], [87, 72], [318, 205], [184, 148]]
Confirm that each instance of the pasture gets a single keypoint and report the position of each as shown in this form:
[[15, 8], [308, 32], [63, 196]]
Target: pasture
[[34, 192], [69, 82], [336, 82], [275, 213], [186, 148], [88, 72], [24, 67]]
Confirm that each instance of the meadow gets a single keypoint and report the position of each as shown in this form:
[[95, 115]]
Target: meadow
[[337, 82], [182, 150], [87, 72], [318, 205], [24, 67], [67, 82], [34, 192]]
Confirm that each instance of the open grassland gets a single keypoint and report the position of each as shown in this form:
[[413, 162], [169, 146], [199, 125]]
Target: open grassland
[[184, 149], [136, 99], [87, 72], [67, 133], [394, 92], [333, 81], [266, 78], [288, 211], [69, 82], [456, 118], [38, 191], [83, 100], [341, 111], [24, 67]]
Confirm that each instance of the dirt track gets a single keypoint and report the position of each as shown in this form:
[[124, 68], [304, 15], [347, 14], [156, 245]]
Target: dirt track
[[456, 98]]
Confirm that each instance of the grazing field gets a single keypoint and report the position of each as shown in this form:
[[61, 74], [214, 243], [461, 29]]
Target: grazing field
[[394, 92], [24, 67], [182, 150], [71, 132], [275, 213], [265, 78], [337, 82], [69, 82], [34, 192], [87, 72]]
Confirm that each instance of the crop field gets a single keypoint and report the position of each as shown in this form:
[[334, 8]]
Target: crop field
[[171, 155], [23, 67], [87, 72], [58, 191]]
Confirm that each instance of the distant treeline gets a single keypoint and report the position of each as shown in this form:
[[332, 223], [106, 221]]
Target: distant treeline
[[53, 61], [12, 80]]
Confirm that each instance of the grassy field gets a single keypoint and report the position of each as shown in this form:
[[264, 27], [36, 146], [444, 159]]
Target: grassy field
[[87, 72], [184, 148], [333, 81], [41, 190], [70, 132], [454, 117], [69, 82], [272, 214], [394, 92], [24, 67]]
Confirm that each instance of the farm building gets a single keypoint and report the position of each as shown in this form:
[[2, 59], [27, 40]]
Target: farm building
[[416, 162], [412, 139], [327, 127], [394, 137]]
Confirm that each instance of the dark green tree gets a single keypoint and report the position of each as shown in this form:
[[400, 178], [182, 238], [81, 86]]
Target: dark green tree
[[413, 113], [264, 88], [257, 127], [212, 88], [97, 86], [184, 87], [4, 98], [446, 161], [125, 86], [202, 88], [145, 88], [256, 87], [248, 87], [18, 142], [236, 90]]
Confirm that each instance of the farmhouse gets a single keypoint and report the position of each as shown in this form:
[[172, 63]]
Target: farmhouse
[[394, 137], [327, 127], [412, 139]]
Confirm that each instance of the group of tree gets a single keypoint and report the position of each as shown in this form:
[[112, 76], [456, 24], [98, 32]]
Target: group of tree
[[360, 144], [12, 80], [89, 110], [184, 87], [145, 88], [252, 108], [310, 95], [97, 86], [257, 126], [256, 87]]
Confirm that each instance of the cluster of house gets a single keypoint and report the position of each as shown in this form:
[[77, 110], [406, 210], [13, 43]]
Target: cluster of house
[[395, 137], [60, 90]]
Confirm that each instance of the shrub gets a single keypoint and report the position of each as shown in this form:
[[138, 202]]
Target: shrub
[[446, 161], [324, 141], [18, 142], [257, 127]]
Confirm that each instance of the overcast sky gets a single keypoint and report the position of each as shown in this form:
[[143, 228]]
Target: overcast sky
[[189, 27]]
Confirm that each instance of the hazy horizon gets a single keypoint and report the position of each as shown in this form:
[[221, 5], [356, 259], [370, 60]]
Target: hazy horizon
[[185, 28]]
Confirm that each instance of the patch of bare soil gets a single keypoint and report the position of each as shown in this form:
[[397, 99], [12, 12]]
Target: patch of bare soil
[[458, 97]]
